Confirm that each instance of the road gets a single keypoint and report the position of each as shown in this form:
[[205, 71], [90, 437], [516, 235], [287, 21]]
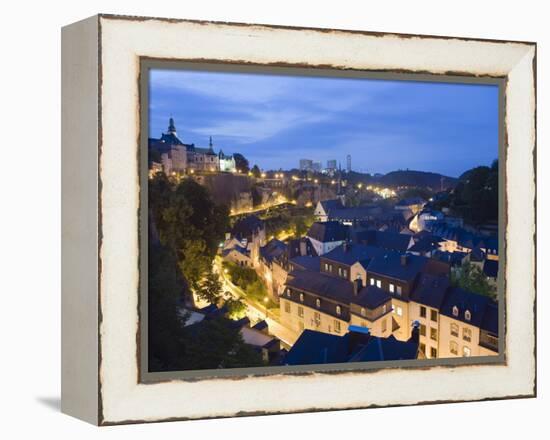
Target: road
[[256, 311]]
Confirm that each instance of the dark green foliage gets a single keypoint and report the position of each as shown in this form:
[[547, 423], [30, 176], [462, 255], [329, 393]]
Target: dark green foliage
[[475, 198], [216, 344], [189, 226], [471, 278], [241, 163], [256, 196], [210, 289], [236, 308], [256, 171], [189, 223]]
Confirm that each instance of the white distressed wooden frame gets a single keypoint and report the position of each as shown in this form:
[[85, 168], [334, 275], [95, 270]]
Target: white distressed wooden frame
[[101, 59]]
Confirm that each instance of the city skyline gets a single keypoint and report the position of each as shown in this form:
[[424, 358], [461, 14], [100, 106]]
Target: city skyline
[[384, 125]]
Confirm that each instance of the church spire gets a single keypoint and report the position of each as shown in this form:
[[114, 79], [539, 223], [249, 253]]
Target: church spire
[[171, 126], [210, 144]]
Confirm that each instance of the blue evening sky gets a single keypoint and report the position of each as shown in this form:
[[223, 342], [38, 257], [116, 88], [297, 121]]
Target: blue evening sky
[[275, 120]]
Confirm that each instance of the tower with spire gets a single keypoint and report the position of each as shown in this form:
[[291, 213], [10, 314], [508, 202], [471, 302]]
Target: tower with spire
[[172, 127]]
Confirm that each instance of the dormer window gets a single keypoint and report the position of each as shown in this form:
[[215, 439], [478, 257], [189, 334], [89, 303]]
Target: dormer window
[[318, 302], [338, 310], [455, 311], [301, 297], [363, 311], [467, 315]]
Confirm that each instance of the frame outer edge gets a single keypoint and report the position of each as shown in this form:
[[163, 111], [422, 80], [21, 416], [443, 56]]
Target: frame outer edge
[[80, 221]]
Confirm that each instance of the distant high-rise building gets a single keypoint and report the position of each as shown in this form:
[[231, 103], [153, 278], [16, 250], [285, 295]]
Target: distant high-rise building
[[348, 167], [306, 164], [317, 167], [331, 164]]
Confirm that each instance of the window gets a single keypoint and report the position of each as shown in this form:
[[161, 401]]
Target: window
[[467, 315], [433, 315], [326, 267], [422, 330], [433, 352], [337, 327], [454, 330], [300, 311], [379, 284], [345, 273], [422, 348], [399, 290], [339, 271], [317, 318], [455, 311], [392, 288], [287, 307], [433, 334], [301, 297], [453, 348], [338, 310], [422, 311], [363, 311], [318, 302], [384, 325], [288, 292], [372, 281], [467, 334], [384, 308], [466, 352], [399, 311]]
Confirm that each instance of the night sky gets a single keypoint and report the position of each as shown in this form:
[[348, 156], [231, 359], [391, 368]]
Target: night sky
[[276, 120]]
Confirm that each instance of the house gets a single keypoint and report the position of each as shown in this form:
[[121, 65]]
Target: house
[[357, 345], [468, 325], [272, 267], [180, 157], [250, 231], [325, 236], [324, 207]]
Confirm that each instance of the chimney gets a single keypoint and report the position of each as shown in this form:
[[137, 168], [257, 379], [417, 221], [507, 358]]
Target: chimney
[[415, 332], [404, 259], [357, 286], [346, 246]]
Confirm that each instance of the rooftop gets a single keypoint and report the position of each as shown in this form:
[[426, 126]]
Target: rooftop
[[327, 232]]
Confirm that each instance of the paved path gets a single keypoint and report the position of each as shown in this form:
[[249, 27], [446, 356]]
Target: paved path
[[256, 312]]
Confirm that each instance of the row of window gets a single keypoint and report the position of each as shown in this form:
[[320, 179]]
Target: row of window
[[453, 348], [394, 288]]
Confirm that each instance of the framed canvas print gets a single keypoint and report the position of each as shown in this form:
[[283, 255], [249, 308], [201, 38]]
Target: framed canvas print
[[262, 219]]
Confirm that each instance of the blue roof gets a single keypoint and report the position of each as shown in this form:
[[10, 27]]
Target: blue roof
[[464, 300], [307, 262], [393, 266], [351, 253], [490, 268], [430, 290], [371, 297], [386, 349], [327, 232], [313, 347]]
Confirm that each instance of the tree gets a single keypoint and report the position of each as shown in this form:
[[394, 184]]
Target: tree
[[236, 308], [241, 163], [471, 278], [210, 289], [256, 171]]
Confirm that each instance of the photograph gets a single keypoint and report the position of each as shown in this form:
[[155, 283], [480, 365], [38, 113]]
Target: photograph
[[299, 219]]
